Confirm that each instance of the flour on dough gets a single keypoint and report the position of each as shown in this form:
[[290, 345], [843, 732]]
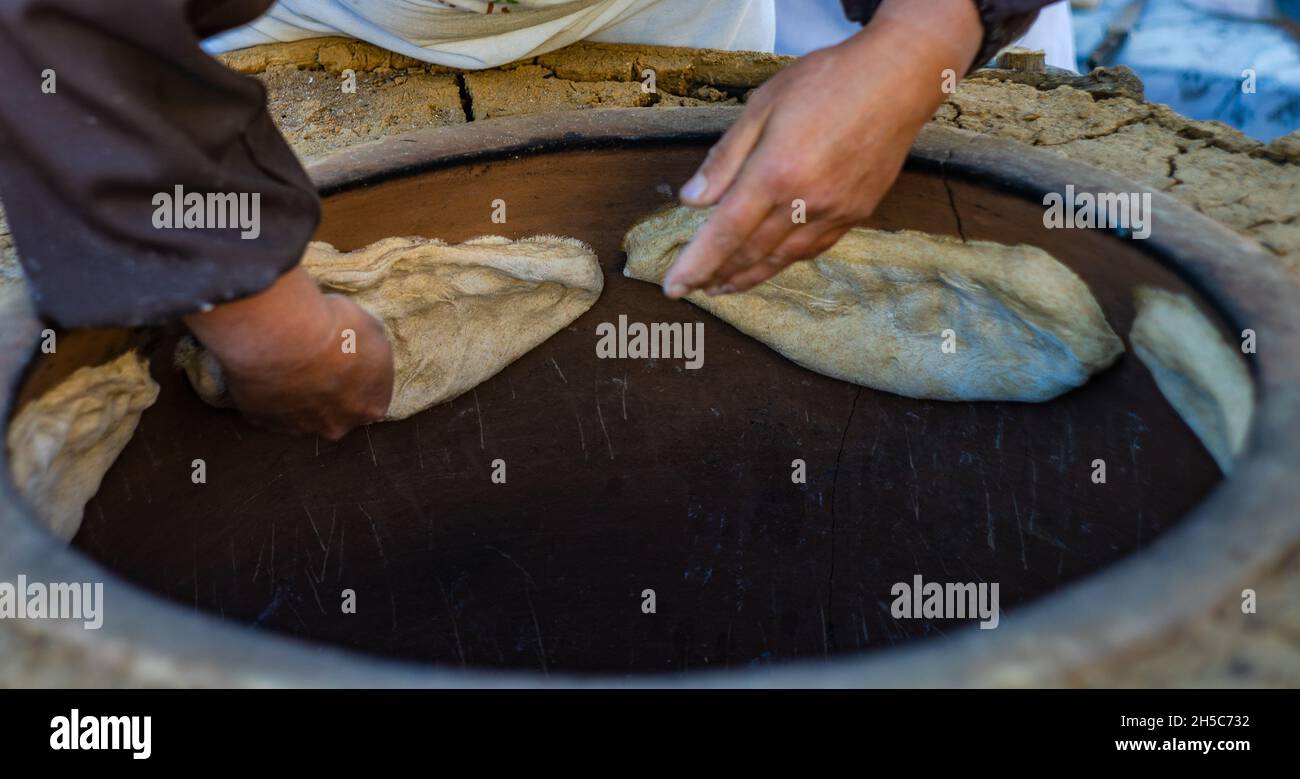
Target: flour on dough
[[62, 443], [873, 309], [1198, 372], [455, 314]]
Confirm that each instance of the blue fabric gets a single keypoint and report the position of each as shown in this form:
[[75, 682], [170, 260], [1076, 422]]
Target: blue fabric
[[1194, 61]]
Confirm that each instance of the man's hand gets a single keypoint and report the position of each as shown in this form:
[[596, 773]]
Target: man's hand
[[282, 352], [832, 130]]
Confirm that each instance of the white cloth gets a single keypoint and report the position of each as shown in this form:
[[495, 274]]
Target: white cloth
[[805, 25], [477, 34], [1053, 32]]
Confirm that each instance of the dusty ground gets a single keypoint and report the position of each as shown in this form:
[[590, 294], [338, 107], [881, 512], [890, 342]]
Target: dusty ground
[[305, 87], [1101, 119]]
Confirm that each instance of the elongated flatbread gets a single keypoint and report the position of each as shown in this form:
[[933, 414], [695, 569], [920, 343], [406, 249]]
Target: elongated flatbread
[[455, 314], [876, 309], [62, 443], [1202, 377]]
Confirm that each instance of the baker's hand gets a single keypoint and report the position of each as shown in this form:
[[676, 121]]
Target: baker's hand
[[300, 360], [831, 130]]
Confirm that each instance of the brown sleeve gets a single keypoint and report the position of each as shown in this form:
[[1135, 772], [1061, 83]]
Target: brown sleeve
[[1004, 20], [138, 109]]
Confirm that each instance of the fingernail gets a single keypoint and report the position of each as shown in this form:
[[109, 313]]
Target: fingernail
[[727, 289], [713, 291], [695, 188], [675, 289]]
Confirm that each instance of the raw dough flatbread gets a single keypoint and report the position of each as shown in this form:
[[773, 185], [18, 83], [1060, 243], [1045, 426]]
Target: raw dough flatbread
[[873, 309], [455, 314], [1200, 374], [62, 443]]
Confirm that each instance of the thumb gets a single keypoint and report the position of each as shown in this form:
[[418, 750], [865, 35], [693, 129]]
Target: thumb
[[725, 159]]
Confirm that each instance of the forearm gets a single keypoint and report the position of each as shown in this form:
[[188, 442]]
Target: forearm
[[923, 42], [937, 35], [273, 331], [832, 130], [1001, 21]]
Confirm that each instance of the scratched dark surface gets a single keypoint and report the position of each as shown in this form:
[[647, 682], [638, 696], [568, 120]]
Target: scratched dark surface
[[626, 475]]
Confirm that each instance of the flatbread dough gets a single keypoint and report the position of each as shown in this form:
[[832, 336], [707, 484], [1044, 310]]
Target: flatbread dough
[[873, 310], [1200, 374], [455, 315], [62, 443]]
